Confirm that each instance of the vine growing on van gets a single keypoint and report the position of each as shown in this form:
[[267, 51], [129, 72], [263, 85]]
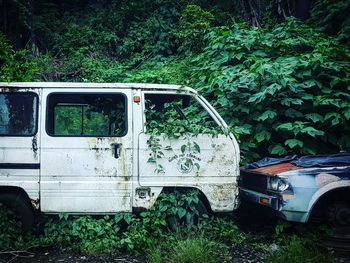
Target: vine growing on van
[[176, 122]]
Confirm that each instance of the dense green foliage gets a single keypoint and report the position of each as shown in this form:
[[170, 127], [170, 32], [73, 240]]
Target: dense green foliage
[[151, 233], [332, 18], [283, 88], [15, 65], [122, 232]]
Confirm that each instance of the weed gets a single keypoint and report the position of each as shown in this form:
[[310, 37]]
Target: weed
[[224, 230], [295, 250], [155, 255], [194, 250]]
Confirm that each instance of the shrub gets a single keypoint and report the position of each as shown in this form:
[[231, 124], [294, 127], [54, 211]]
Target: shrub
[[194, 23], [281, 91], [15, 65], [332, 18]]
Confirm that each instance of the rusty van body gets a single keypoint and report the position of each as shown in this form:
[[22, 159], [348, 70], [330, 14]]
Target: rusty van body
[[83, 148]]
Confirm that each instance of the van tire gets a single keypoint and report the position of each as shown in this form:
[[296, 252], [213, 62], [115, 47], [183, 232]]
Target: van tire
[[21, 207]]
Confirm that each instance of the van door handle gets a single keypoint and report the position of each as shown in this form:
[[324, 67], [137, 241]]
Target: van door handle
[[117, 150]]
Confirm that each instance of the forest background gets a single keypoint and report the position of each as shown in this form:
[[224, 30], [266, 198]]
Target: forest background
[[277, 71]]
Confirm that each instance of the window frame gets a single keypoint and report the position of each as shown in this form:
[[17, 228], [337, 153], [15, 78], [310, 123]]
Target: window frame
[[176, 92], [86, 93], [36, 115]]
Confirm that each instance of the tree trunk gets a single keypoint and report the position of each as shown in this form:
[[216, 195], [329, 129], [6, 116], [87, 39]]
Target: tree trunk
[[32, 37], [251, 11]]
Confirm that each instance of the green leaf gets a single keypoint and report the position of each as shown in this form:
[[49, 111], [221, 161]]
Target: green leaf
[[285, 126], [289, 101], [257, 97], [278, 150], [263, 135], [183, 148], [315, 117], [291, 143], [267, 115], [181, 212], [196, 147], [347, 114], [312, 131], [336, 117]]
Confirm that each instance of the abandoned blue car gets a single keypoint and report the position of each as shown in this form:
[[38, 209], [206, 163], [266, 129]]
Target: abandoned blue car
[[301, 188]]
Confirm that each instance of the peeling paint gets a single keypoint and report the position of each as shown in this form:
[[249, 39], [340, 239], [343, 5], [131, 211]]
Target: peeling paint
[[323, 179], [35, 203], [35, 147]]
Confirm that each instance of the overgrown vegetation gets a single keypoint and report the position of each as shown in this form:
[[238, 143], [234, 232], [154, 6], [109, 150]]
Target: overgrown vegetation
[[151, 233], [282, 88]]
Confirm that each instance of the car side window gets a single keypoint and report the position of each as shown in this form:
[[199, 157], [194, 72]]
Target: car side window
[[177, 114], [87, 115]]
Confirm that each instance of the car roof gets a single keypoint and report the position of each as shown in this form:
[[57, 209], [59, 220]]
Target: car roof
[[145, 86]]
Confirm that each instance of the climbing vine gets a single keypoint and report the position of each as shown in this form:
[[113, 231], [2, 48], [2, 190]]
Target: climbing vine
[[173, 120]]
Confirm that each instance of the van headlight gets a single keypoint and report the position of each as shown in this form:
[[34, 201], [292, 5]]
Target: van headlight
[[277, 184]]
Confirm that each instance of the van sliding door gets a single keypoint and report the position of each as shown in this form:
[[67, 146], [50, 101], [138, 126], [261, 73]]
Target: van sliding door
[[86, 149]]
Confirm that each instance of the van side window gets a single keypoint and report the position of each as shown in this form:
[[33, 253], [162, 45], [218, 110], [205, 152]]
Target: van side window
[[87, 114], [18, 114], [177, 114]]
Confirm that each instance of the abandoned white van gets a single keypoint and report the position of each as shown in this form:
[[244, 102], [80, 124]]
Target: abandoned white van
[[88, 148]]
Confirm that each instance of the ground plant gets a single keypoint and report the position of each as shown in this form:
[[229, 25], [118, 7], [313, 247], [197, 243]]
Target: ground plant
[[152, 235]]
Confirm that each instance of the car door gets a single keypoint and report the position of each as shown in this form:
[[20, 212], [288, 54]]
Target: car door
[[86, 150], [196, 154]]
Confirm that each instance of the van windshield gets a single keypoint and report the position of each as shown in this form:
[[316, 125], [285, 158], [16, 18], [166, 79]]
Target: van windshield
[[177, 114]]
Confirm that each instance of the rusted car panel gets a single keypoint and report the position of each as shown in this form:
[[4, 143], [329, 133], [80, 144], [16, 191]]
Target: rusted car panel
[[85, 173], [300, 188]]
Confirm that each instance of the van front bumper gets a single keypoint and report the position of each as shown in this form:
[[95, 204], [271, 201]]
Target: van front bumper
[[262, 199]]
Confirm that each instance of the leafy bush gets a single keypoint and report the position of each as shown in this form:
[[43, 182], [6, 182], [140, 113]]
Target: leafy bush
[[15, 65], [194, 23], [332, 18], [281, 91], [119, 233]]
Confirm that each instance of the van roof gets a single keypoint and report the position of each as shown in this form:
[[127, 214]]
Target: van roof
[[94, 85]]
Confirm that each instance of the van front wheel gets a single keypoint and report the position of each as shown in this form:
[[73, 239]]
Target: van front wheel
[[21, 208]]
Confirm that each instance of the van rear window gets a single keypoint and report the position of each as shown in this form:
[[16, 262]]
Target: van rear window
[[87, 114], [18, 114]]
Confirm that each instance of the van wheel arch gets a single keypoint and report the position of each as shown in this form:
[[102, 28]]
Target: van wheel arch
[[17, 199], [202, 197]]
